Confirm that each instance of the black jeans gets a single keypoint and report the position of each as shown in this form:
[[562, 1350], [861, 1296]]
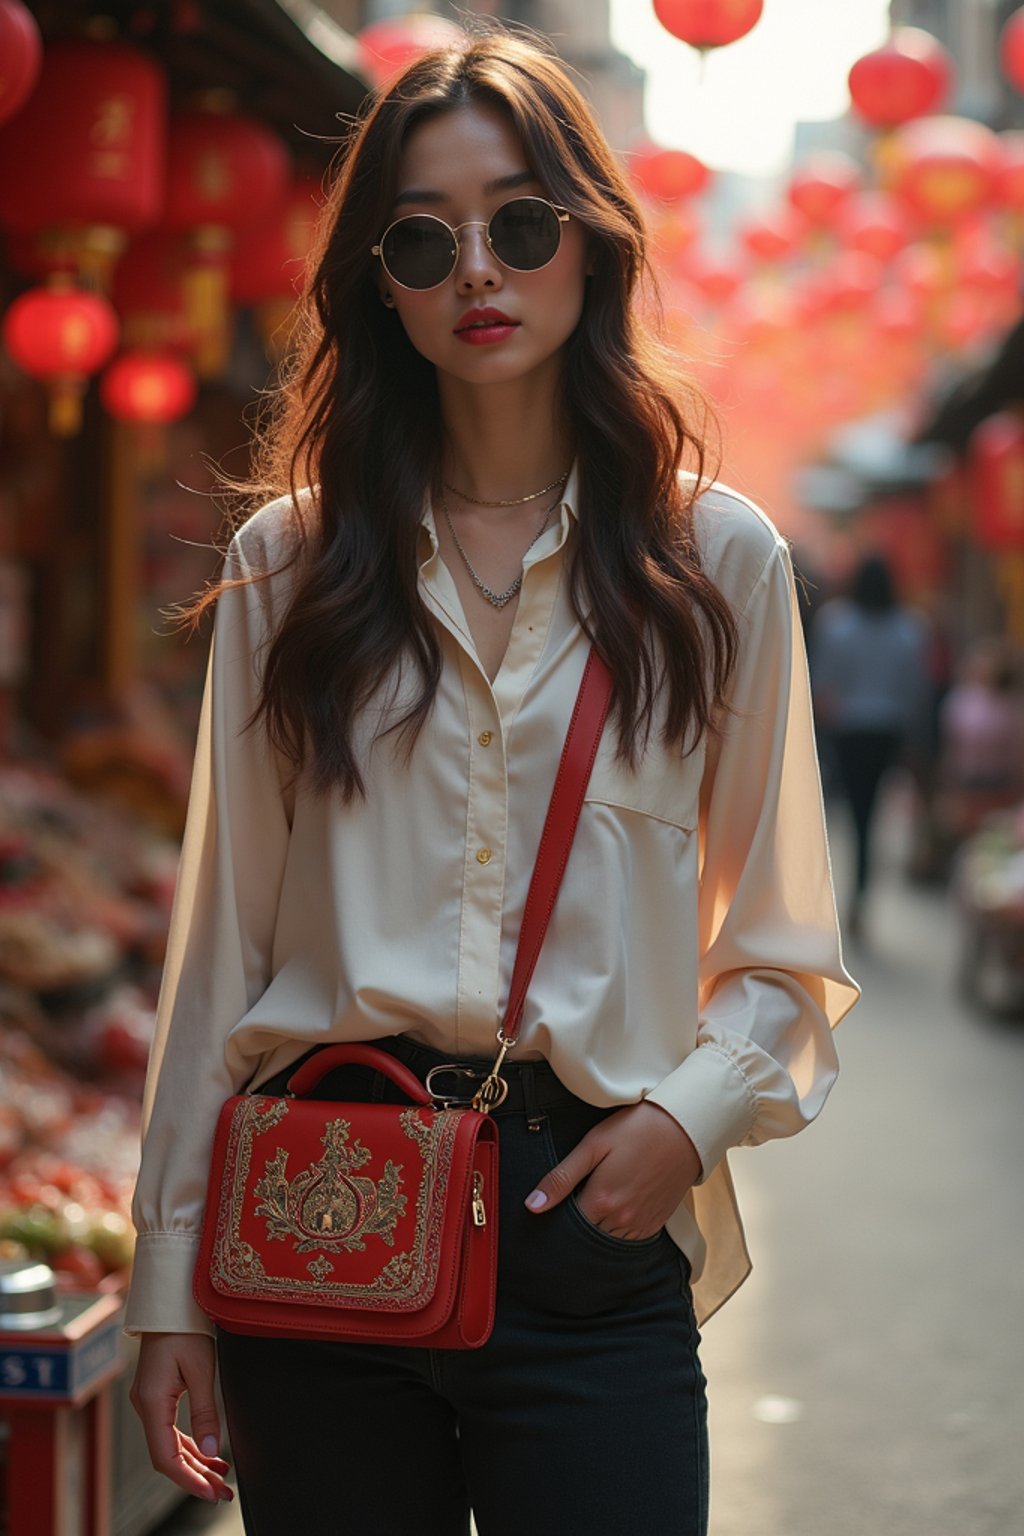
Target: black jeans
[[864, 758], [583, 1415]]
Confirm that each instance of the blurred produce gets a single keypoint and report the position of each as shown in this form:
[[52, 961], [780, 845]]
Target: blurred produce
[[84, 892], [85, 895], [85, 902], [68, 1157]]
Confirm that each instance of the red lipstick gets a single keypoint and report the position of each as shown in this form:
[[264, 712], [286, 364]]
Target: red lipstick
[[482, 327]]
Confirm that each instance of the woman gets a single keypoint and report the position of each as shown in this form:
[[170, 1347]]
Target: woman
[[494, 450]]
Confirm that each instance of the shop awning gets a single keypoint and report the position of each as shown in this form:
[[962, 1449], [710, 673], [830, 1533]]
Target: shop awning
[[285, 60], [979, 394]]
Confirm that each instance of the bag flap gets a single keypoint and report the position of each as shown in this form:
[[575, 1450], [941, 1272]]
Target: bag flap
[[349, 1205]]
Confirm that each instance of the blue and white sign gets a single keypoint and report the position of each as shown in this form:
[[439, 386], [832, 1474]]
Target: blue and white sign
[[59, 1372]]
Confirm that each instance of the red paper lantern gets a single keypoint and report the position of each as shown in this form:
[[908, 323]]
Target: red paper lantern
[[924, 274], [61, 335], [719, 279], [772, 236], [386, 47], [1011, 49], [996, 460], [875, 224], [269, 259], [87, 150], [708, 23], [224, 171], [21, 50], [909, 76], [148, 386], [849, 283], [669, 175], [822, 185], [944, 169]]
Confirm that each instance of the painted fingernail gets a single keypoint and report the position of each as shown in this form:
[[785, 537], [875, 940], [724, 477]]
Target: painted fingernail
[[209, 1446], [537, 1201]]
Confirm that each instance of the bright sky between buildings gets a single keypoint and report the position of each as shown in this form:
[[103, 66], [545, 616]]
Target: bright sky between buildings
[[791, 68]]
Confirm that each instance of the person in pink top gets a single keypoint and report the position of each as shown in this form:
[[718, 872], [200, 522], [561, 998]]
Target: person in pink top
[[981, 737]]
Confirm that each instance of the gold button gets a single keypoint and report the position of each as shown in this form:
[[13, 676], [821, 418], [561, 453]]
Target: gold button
[[485, 738], [483, 855]]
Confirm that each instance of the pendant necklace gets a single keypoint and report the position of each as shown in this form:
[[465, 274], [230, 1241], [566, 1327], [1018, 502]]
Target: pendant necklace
[[499, 599]]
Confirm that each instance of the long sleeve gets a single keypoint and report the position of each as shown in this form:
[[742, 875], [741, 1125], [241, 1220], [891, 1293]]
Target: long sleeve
[[218, 959], [771, 980]]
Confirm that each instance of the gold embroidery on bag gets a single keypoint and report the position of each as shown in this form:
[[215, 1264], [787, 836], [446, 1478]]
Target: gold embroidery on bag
[[327, 1205], [409, 1277]]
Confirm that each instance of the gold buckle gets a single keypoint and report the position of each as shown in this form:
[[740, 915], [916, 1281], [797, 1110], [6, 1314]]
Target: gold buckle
[[447, 1100]]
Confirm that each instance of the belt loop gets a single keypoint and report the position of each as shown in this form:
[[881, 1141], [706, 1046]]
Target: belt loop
[[534, 1118]]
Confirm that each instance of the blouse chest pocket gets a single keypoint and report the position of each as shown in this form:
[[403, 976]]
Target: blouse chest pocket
[[665, 785]]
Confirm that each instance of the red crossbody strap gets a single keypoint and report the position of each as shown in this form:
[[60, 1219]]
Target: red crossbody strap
[[577, 759]]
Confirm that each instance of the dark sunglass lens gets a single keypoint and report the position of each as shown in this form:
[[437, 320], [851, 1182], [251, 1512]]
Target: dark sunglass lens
[[525, 233], [418, 252]]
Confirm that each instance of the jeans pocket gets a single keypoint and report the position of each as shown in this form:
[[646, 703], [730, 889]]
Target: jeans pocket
[[559, 1143], [608, 1239]]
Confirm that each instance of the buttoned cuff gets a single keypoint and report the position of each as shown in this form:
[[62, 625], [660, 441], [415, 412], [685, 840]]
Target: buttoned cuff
[[160, 1299], [712, 1101]]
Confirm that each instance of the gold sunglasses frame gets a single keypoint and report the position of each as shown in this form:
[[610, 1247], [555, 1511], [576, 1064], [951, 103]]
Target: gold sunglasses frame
[[562, 214]]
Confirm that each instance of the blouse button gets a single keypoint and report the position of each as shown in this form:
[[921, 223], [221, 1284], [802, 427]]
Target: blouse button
[[483, 855], [485, 738]]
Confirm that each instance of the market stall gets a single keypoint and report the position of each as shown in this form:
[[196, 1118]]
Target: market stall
[[158, 187]]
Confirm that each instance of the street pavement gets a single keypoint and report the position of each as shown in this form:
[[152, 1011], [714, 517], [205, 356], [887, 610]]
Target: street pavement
[[867, 1379]]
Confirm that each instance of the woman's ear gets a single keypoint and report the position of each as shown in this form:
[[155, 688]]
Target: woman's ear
[[381, 283]]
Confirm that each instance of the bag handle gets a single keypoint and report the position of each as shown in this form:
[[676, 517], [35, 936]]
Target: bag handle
[[577, 760], [306, 1078]]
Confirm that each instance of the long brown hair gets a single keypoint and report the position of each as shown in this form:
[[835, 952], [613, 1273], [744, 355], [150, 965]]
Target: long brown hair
[[359, 421]]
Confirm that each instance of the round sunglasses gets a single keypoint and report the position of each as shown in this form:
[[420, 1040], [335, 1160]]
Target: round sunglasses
[[420, 251]]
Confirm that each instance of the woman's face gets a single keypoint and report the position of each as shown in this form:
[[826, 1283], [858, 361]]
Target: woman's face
[[461, 166]]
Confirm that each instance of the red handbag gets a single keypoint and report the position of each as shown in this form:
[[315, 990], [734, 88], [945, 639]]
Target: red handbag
[[379, 1222]]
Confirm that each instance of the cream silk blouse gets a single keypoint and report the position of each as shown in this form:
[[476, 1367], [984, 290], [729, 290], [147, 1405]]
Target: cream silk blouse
[[692, 958]]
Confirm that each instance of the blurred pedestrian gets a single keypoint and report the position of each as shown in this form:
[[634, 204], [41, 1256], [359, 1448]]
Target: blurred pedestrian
[[480, 462], [981, 739], [869, 665]]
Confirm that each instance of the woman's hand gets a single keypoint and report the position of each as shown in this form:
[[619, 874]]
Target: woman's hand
[[171, 1364], [638, 1164]]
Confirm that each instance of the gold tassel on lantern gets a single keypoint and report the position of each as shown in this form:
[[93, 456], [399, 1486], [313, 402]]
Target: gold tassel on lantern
[[206, 302]]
